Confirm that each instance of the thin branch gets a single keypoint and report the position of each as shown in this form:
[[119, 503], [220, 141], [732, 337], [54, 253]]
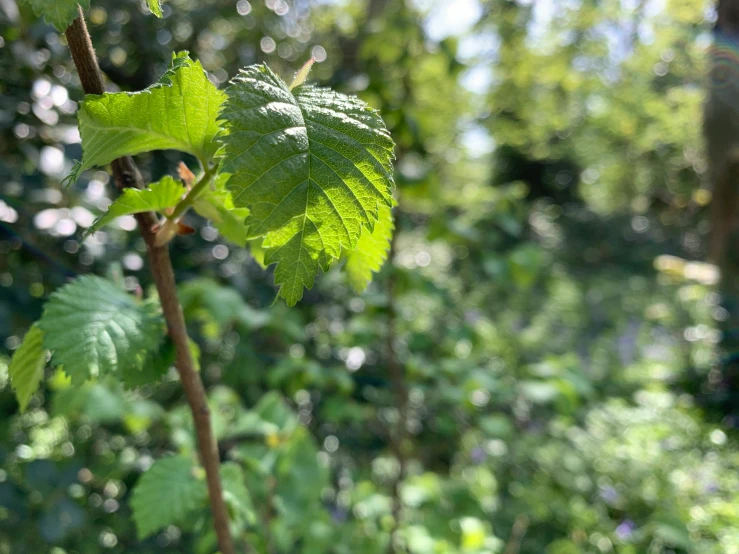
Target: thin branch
[[126, 174], [194, 192]]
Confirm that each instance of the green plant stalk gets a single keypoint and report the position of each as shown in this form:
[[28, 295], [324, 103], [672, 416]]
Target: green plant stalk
[[169, 229], [194, 193], [126, 174]]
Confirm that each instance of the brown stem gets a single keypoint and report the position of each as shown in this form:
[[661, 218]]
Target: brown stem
[[399, 387], [126, 174]]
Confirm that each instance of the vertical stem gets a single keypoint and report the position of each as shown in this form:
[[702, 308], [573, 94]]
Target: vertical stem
[[126, 174], [399, 387]]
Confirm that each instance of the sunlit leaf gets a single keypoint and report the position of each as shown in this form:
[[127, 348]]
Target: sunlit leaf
[[59, 13], [217, 205], [178, 113], [165, 193], [27, 366], [371, 251], [312, 165]]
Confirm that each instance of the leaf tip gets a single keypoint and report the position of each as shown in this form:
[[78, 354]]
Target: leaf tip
[[155, 6], [302, 74]]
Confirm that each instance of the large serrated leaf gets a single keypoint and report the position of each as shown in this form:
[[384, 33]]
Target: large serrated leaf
[[167, 493], [59, 13], [27, 366], [371, 251], [312, 166], [93, 327], [165, 193], [177, 113]]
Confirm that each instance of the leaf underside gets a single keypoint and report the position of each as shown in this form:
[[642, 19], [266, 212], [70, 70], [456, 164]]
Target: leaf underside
[[27, 366], [167, 493], [179, 112], [312, 166], [371, 251], [165, 193], [93, 327], [59, 13]]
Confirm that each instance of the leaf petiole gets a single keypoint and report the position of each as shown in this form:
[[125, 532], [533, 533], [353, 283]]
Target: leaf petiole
[[170, 228], [194, 192]]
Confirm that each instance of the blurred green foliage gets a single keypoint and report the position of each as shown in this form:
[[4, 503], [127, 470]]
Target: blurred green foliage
[[557, 347]]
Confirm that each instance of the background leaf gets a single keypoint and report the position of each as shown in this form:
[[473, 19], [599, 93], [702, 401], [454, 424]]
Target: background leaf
[[167, 493], [27, 366], [93, 327], [235, 493]]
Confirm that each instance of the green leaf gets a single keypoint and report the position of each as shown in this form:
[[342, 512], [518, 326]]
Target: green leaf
[[218, 306], [153, 369], [93, 327], [194, 353], [27, 366], [165, 193], [371, 251], [312, 166], [257, 252], [217, 205], [59, 13], [302, 74], [167, 493], [156, 7], [178, 112], [235, 493]]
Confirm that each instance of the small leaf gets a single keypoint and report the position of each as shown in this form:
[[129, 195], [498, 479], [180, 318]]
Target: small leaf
[[27, 366], [312, 166], [195, 353], [93, 327], [59, 13], [302, 74], [167, 493], [257, 252], [217, 205], [165, 193], [371, 251], [178, 113], [235, 492], [156, 7]]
